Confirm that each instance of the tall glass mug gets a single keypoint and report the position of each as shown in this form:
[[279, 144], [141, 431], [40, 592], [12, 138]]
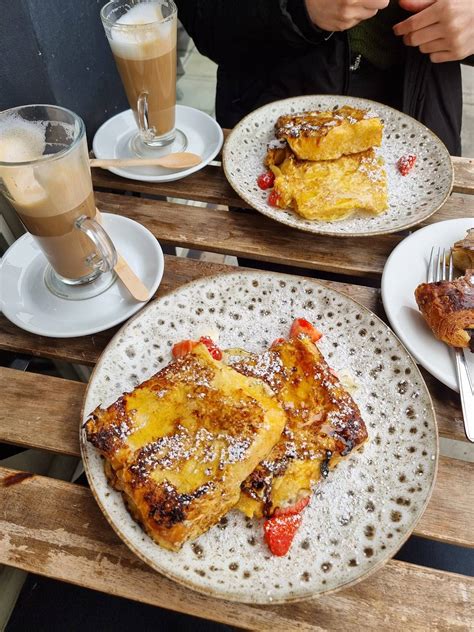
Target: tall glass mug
[[142, 36], [45, 174]]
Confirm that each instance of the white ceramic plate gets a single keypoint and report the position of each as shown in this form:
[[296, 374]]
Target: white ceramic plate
[[204, 136], [412, 198], [25, 300], [369, 505], [404, 270]]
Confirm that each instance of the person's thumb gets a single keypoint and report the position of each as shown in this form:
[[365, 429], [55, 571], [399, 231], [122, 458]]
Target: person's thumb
[[414, 6]]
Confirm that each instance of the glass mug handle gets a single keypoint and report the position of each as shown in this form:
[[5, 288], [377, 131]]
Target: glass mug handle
[[106, 260]]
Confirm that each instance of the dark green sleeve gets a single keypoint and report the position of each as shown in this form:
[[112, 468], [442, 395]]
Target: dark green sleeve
[[228, 31]]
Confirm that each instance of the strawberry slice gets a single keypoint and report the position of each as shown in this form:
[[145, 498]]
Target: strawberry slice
[[406, 163], [266, 180], [292, 509], [279, 532], [302, 327], [274, 198], [180, 349], [213, 349], [184, 347]]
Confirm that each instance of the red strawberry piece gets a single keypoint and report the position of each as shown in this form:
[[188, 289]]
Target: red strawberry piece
[[266, 180], [273, 198], [302, 327], [405, 164], [213, 349], [280, 531], [180, 349], [292, 509]]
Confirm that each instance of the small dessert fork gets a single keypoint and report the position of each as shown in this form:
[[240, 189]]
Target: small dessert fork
[[440, 268]]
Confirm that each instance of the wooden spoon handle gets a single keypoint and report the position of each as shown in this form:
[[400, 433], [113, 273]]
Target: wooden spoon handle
[[134, 285], [178, 160], [124, 162], [128, 277]]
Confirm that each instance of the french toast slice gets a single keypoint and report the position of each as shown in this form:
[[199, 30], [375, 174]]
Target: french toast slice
[[332, 190], [323, 425], [327, 135], [180, 444]]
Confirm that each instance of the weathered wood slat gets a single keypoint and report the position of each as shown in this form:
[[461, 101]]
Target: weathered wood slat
[[67, 538], [449, 516], [40, 411], [252, 235], [208, 185], [463, 174]]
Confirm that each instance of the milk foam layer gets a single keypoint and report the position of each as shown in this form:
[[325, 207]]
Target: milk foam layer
[[47, 188], [21, 140], [141, 34], [143, 13]]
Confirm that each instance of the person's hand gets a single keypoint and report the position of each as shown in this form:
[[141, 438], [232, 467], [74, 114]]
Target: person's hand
[[444, 29], [339, 15]]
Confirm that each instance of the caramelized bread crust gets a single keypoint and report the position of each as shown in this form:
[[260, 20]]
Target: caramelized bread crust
[[448, 308], [327, 135], [180, 444], [332, 189], [323, 425]]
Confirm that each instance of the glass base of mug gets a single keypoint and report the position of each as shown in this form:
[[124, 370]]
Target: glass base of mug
[[162, 147], [80, 289]]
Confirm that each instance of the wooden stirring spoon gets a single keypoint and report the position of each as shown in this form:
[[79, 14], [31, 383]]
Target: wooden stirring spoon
[[132, 282], [176, 160]]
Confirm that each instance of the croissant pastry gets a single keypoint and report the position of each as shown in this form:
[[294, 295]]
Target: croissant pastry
[[448, 308], [463, 252]]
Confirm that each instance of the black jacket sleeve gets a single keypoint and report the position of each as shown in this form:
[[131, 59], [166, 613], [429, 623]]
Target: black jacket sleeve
[[229, 31]]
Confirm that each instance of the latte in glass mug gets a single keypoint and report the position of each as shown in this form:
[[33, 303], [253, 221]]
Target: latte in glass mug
[[45, 175], [143, 42]]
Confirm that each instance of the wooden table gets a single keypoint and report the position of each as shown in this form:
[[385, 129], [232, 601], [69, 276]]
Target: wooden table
[[55, 528]]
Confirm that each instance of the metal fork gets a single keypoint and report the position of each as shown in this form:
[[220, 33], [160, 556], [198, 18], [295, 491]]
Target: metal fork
[[441, 268]]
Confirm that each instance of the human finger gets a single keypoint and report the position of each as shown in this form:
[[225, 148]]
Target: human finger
[[435, 46], [354, 19], [415, 6], [427, 34], [442, 56], [419, 21], [374, 4], [364, 14]]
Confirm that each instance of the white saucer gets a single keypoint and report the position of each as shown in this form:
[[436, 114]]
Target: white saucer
[[204, 136], [404, 270], [26, 301]]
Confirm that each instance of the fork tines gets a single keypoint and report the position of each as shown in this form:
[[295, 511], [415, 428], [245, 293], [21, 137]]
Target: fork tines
[[440, 266]]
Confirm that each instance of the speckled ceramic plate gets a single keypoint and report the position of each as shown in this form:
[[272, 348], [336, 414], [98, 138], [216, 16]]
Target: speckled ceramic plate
[[371, 502], [412, 198]]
